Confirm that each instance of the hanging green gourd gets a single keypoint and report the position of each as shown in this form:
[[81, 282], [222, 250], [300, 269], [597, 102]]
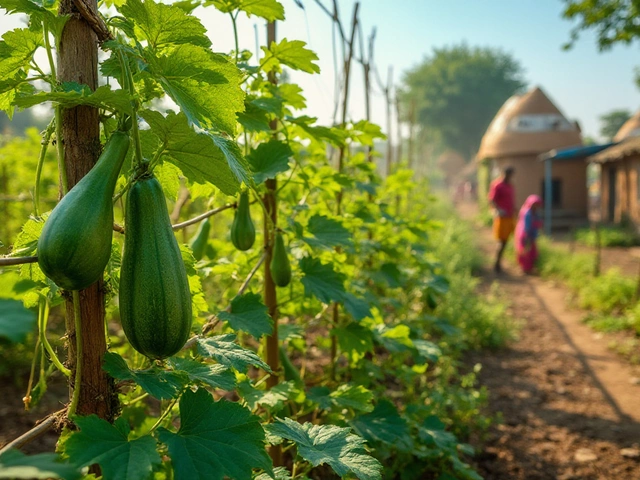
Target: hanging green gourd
[[200, 240], [75, 244], [155, 300], [243, 233], [280, 266]]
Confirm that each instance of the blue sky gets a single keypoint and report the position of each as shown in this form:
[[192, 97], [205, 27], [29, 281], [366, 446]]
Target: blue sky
[[582, 82]]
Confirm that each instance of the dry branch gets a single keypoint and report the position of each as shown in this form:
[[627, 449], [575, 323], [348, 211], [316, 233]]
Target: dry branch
[[42, 427], [7, 261]]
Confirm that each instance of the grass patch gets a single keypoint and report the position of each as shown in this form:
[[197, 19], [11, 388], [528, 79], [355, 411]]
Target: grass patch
[[479, 321], [610, 236], [611, 298]]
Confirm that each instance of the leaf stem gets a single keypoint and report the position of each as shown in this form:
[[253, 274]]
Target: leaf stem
[[166, 412], [27, 397], [46, 138], [47, 45], [235, 32], [62, 167], [78, 332], [43, 317]]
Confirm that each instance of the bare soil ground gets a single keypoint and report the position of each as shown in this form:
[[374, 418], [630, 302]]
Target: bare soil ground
[[570, 407]]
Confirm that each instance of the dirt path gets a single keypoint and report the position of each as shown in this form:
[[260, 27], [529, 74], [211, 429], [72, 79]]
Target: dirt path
[[570, 408]]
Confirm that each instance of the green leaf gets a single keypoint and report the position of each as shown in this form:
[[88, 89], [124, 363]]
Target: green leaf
[[273, 398], [74, 94], [335, 446], [269, 159], [107, 445], [353, 396], [357, 307], [215, 439], [366, 132], [354, 341], [291, 94], [201, 157], [279, 473], [205, 85], [391, 274], [433, 432], [17, 49], [319, 133], [384, 424], [161, 25], [438, 284], [395, 339], [213, 375], [321, 281], [15, 320], [14, 464], [271, 10], [249, 314], [159, 383], [427, 350], [254, 119], [327, 233], [321, 396], [293, 54], [225, 350]]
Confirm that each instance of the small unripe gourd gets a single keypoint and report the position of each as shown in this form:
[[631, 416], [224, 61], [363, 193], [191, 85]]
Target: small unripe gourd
[[75, 244], [243, 233], [155, 300], [280, 266], [200, 240]]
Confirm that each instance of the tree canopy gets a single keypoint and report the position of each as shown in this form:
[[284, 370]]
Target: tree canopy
[[611, 122], [457, 91], [614, 21]]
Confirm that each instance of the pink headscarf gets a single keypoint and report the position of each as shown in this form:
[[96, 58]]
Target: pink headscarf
[[528, 204]]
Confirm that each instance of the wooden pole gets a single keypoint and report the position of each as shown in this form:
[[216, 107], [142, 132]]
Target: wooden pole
[[270, 294], [398, 134], [345, 104], [78, 62], [387, 96]]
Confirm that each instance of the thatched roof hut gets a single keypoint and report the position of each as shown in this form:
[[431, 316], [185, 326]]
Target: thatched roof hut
[[528, 125], [630, 128]]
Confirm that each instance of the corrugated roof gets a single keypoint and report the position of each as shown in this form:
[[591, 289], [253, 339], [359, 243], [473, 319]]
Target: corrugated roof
[[528, 125], [630, 128], [626, 148], [572, 153]]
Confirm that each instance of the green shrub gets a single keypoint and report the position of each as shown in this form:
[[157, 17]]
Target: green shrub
[[610, 236], [608, 293]]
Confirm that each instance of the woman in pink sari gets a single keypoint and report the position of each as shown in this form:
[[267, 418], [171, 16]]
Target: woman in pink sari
[[529, 224]]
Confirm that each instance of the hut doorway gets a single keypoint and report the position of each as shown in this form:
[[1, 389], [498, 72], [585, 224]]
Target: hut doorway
[[613, 193]]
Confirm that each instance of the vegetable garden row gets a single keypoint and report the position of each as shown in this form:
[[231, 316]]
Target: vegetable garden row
[[299, 325]]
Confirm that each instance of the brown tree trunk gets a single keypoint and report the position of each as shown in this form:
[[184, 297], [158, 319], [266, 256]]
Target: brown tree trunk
[[78, 62]]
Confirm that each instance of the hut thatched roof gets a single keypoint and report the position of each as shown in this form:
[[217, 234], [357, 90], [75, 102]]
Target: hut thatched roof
[[627, 147], [630, 128], [528, 125]]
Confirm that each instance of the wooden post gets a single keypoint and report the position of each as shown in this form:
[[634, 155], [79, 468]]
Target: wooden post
[[78, 62], [596, 270], [366, 66], [412, 122], [270, 294], [398, 134], [387, 96], [345, 103]]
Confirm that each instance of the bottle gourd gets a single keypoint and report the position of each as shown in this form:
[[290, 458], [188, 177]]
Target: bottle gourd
[[75, 244], [243, 233], [200, 240], [280, 266], [155, 301]]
